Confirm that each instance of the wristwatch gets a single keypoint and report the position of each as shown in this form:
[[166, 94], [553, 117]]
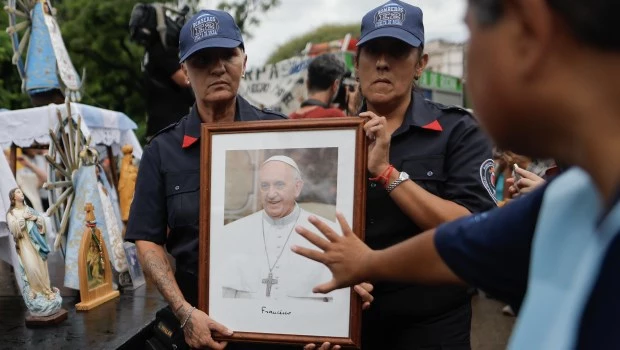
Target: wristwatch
[[401, 178]]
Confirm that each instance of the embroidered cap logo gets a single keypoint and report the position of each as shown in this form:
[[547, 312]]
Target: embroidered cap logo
[[204, 26], [390, 15]]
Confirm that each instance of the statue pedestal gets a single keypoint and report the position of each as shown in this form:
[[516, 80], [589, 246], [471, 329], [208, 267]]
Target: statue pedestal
[[45, 321]]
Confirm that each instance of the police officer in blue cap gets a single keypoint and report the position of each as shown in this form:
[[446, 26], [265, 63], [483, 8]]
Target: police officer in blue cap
[[554, 253], [167, 190], [428, 164], [168, 186]]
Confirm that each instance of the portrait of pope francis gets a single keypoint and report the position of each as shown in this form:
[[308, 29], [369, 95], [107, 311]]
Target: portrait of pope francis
[[259, 263]]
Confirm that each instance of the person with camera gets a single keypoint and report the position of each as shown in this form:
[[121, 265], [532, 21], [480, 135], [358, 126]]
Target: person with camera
[[167, 91], [325, 74], [168, 94]]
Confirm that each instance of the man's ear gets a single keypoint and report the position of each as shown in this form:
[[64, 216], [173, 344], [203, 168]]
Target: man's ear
[[245, 60], [184, 68], [299, 185], [532, 33]]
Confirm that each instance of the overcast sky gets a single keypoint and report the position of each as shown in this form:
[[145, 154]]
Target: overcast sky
[[442, 19]]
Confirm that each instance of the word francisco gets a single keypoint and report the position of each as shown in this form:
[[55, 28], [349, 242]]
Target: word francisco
[[264, 310]]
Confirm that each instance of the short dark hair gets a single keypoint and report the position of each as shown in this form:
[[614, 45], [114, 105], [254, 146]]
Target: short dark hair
[[593, 22], [324, 70]]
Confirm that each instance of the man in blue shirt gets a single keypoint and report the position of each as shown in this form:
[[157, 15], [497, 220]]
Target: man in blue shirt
[[539, 73]]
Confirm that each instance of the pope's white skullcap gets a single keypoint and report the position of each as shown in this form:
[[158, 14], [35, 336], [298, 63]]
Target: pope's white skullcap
[[283, 159]]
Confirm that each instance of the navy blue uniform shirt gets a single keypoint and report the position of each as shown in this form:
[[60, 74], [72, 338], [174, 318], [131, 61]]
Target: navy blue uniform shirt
[[492, 251], [444, 151], [167, 192]]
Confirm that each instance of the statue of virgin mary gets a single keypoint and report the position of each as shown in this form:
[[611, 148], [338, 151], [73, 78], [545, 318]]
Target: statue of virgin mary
[[28, 229]]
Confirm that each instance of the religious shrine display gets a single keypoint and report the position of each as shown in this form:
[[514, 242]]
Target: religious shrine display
[[260, 180], [74, 181]]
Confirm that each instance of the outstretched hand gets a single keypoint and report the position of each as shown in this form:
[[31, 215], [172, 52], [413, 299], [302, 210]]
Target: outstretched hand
[[528, 182], [346, 256], [363, 290]]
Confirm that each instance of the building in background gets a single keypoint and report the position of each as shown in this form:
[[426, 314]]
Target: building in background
[[446, 57], [444, 76]]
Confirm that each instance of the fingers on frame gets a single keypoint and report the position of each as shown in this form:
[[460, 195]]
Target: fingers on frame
[[326, 287], [310, 253], [312, 237], [344, 225], [324, 228]]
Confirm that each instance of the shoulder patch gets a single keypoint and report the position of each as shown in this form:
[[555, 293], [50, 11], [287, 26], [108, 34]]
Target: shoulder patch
[[165, 129], [454, 108], [272, 112], [487, 176]]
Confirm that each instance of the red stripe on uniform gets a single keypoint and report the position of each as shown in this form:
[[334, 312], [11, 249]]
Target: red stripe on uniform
[[433, 126], [188, 141]]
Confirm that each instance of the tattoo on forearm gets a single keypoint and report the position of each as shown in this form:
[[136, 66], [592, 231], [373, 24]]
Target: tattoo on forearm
[[159, 270]]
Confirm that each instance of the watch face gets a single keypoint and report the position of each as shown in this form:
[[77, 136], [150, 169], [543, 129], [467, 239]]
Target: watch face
[[403, 175]]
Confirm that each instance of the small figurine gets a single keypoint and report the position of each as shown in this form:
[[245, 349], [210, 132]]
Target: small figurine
[[28, 228], [127, 181], [93, 265]]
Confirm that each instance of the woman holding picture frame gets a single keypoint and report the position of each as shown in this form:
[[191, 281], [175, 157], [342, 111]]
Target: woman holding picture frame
[[165, 208], [429, 164]]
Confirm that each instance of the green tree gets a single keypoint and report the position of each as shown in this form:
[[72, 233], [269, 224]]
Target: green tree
[[247, 12], [96, 35], [322, 34], [11, 96]]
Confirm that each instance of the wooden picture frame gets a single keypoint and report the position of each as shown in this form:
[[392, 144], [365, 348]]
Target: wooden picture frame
[[339, 144]]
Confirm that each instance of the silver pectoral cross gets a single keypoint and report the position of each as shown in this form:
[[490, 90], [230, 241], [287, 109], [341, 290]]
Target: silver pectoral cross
[[269, 281]]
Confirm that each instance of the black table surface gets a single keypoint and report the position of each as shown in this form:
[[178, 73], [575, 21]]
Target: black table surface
[[118, 323]]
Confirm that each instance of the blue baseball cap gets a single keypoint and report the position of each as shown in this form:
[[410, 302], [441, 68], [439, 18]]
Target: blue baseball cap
[[206, 29], [394, 19]]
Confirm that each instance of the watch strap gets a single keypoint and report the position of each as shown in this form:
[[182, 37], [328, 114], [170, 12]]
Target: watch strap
[[397, 182]]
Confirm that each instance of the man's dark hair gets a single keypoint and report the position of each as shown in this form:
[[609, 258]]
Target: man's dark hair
[[593, 22], [323, 71]]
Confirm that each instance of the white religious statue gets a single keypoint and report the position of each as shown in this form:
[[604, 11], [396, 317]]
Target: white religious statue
[[28, 229], [260, 262]]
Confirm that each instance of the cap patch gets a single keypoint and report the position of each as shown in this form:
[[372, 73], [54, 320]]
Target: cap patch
[[205, 25], [390, 15]]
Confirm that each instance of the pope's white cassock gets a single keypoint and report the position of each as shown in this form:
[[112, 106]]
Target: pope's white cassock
[[260, 263]]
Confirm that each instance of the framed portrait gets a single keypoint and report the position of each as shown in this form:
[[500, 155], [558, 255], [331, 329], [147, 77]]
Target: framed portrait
[[135, 270], [260, 180]]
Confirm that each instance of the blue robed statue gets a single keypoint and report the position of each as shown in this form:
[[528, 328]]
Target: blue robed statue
[[47, 69]]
